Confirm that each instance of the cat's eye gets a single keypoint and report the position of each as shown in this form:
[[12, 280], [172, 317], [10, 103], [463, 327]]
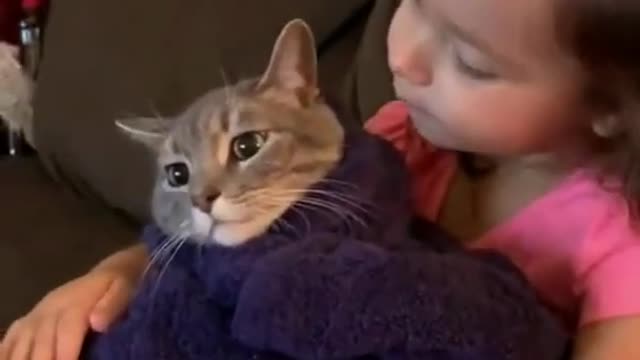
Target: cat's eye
[[247, 145], [177, 174]]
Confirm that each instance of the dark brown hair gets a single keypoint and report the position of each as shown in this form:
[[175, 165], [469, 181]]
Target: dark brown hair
[[605, 36]]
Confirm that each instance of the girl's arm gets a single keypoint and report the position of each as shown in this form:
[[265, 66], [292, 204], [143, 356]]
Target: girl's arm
[[92, 301], [617, 339], [132, 260]]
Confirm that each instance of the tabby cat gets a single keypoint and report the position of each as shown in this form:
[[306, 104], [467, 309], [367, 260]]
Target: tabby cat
[[237, 158]]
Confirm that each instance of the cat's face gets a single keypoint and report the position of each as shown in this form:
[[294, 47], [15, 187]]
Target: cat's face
[[236, 159]]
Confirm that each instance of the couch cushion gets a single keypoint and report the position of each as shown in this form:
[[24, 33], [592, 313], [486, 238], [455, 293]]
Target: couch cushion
[[48, 235], [107, 59], [372, 78]]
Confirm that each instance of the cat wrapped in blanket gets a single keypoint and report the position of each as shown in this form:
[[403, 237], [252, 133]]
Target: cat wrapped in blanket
[[279, 235]]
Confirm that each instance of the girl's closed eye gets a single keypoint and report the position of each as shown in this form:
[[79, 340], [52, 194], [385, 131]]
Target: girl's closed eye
[[473, 64]]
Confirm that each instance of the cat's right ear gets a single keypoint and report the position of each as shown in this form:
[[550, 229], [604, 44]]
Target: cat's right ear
[[149, 131], [293, 65]]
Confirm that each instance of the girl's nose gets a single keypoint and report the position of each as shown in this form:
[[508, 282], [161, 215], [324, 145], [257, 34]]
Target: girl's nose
[[411, 47], [412, 62]]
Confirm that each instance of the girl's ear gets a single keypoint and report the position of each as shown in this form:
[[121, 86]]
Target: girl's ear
[[149, 131]]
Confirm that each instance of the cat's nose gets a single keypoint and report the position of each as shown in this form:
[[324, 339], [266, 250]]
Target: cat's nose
[[204, 201]]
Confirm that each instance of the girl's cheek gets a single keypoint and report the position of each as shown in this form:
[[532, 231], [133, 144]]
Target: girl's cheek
[[489, 119], [520, 123]]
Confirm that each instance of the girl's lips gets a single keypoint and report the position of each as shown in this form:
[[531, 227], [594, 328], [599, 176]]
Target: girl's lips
[[431, 127], [422, 112], [416, 109]]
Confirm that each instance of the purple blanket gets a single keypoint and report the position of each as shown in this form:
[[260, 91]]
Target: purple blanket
[[360, 286]]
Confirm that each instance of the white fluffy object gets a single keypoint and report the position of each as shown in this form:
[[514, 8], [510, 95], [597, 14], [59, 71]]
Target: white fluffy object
[[16, 92]]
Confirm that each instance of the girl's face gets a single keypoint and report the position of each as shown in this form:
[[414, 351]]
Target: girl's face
[[486, 76]]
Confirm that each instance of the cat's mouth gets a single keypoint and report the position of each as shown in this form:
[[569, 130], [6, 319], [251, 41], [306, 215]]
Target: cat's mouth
[[232, 223], [209, 229]]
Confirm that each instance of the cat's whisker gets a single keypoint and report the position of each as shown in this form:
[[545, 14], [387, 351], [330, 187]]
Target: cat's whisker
[[161, 251], [321, 207], [155, 111], [289, 226], [158, 253], [339, 196], [251, 195], [324, 208], [277, 225], [264, 203], [225, 78], [344, 212], [344, 205], [274, 202], [176, 248], [210, 232], [172, 245], [341, 211], [263, 209], [346, 184], [229, 96], [280, 223], [304, 218], [258, 196], [315, 207], [344, 198]]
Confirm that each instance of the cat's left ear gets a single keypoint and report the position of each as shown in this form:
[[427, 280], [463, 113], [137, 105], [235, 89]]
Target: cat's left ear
[[293, 64], [149, 131]]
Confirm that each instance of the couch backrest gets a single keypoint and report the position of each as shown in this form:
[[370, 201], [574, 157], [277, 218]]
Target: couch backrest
[[105, 59]]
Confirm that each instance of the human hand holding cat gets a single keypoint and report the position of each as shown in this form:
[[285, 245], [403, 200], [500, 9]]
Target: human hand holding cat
[[93, 300]]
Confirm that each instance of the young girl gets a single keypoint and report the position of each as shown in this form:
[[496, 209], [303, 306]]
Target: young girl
[[541, 99]]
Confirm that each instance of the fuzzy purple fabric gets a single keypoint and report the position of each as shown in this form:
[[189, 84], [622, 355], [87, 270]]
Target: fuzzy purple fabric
[[321, 286]]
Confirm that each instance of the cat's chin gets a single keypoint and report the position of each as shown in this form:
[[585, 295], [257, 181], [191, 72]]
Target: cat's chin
[[229, 235], [201, 226], [205, 230]]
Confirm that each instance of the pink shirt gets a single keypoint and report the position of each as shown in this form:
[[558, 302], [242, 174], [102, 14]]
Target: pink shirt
[[576, 243]]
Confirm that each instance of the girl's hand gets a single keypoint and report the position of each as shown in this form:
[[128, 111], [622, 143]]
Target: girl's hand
[[56, 327]]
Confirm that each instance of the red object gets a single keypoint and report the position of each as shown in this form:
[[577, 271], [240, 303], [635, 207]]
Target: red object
[[10, 13], [32, 5]]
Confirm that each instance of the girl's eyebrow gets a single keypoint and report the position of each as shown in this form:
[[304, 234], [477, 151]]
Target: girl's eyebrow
[[469, 38], [462, 34], [480, 44]]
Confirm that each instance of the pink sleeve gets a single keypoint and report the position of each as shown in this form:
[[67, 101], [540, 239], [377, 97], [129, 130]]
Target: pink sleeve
[[390, 123], [610, 282], [431, 169]]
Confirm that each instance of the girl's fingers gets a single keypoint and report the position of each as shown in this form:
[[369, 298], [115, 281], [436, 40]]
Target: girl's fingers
[[9, 341], [110, 306], [44, 343], [21, 349], [73, 324]]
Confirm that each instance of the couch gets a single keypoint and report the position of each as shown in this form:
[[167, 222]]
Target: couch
[[86, 191]]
